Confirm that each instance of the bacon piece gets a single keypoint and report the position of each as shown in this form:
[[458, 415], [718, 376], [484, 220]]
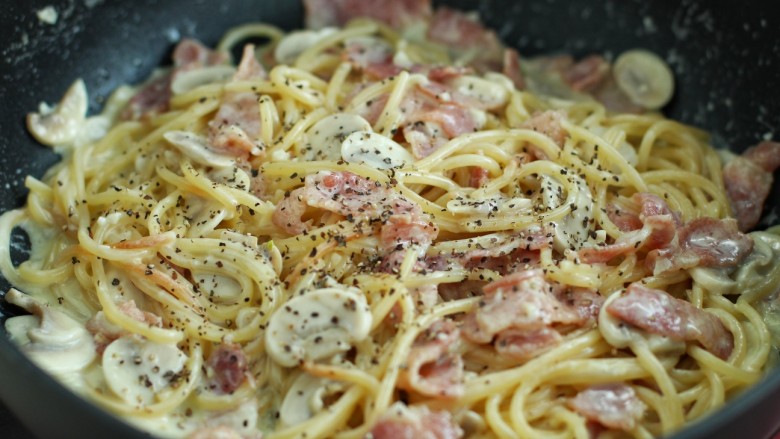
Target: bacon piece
[[522, 301], [659, 225], [398, 14], [458, 30], [129, 308], [365, 53], [424, 138], [766, 155], [614, 406], [478, 176], [191, 53], [229, 366], [461, 290], [241, 110], [549, 124], [614, 99], [512, 68], [628, 219], [587, 74], [717, 243], [748, 181], [431, 120], [433, 369], [517, 252], [104, 332], [524, 345], [705, 242], [249, 67], [415, 422], [346, 194], [233, 141], [401, 231], [657, 312], [154, 97]]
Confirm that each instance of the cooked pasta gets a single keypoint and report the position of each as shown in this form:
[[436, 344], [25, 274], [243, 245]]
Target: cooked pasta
[[370, 234]]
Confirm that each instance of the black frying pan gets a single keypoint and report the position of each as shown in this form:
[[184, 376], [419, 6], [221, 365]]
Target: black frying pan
[[725, 55]]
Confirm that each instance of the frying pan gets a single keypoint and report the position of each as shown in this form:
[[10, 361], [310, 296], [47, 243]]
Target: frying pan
[[724, 56]]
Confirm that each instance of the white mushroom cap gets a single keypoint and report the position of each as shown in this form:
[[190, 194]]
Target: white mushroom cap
[[645, 78], [197, 148], [325, 137], [375, 150], [61, 124], [306, 398], [317, 325], [136, 369], [53, 340]]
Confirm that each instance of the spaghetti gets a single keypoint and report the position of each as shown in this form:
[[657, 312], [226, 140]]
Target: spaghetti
[[361, 236]]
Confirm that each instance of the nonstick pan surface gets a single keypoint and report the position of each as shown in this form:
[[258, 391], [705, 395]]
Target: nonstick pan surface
[[725, 56]]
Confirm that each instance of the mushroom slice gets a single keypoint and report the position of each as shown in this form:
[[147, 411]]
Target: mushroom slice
[[574, 229], [375, 150], [645, 78], [53, 340], [137, 369], [325, 137], [317, 325], [197, 148], [191, 79], [295, 43], [306, 398], [61, 124]]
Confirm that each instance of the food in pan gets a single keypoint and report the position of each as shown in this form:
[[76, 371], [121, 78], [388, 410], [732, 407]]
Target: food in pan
[[394, 226]]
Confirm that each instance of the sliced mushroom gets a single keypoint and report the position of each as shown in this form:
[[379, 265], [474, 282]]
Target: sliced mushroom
[[137, 369], [197, 148], [295, 43], [574, 229], [324, 138], [645, 78], [191, 79], [306, 398], [489, 94], [375, 150], [317, 325], [53, 340], [61, 124]]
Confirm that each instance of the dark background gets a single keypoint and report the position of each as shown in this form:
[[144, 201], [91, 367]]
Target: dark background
[[725, 56]]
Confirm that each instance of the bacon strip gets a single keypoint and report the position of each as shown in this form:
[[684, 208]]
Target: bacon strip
[[705, 242], [612, 405], [415, 422], [229, 366], [657, 312], [154, 97], [748, 181], [432, 368], [522, 309], [397, 14], [354, 196]]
